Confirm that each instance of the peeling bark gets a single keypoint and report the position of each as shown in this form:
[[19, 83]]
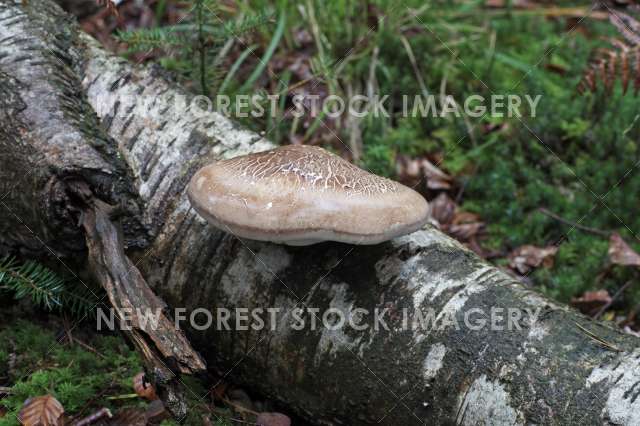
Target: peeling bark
[[559, 367], [166, 352], [55, 157]]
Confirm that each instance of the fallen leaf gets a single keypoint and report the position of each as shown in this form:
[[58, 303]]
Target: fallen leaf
[[408, 171], [620, 253], [41, 411], [143, 388], [465, 217], [413, 171], [273, 419], [556, 68], [591, 301], [436, 178], [219, 390], [475, 246], [523, 259], [443, 209], [464, 231]]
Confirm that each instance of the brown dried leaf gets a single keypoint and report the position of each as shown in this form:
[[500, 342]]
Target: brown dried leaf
[[443, 209], [143, 388], [558, 69], [591, 301], [611, 71], [465, 231], [620, 253], [465, 217], [624, 69], [412, 172], [475, 246], [436, 178], [273, 419], [523, 259], [41, 411], [219, 390], [408, 170]]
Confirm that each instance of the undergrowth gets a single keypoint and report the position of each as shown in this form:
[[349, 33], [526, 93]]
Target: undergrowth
[[35, 361], [74, 375], [577, 157]]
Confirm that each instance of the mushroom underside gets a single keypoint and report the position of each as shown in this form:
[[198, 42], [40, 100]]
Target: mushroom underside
[[305, 237]]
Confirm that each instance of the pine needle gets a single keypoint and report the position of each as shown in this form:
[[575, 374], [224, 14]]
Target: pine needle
[[44, 287]]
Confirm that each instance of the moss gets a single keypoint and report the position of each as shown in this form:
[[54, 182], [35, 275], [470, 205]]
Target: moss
[[81, 379], [73, 374]]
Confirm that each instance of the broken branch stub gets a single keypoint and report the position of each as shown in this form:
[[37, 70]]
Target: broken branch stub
[[166, 351]]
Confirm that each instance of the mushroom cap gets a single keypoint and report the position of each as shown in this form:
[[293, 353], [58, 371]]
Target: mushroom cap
[[301, 195]]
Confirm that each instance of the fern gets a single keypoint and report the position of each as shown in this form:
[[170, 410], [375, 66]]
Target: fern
[[194, 42], [620, 62], [45, 288]]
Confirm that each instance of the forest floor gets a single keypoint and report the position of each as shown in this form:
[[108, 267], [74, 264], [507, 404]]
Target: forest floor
[[551, 198]]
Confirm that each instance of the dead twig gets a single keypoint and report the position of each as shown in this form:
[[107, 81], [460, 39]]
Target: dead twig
[[584, 228], [89, 348], [238, 407], [613, 299], [103, 412]]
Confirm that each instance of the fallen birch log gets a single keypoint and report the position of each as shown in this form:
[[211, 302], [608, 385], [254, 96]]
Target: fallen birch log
[[436, 336]]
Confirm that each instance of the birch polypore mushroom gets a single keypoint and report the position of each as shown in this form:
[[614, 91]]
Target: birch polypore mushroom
[[301, 195]]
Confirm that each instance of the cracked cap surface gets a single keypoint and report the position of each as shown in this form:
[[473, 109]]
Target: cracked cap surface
[[300, 195]]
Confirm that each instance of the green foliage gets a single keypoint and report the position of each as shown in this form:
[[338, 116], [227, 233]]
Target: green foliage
[[192, 45], [44, 287], [71, 373], [575, 149], [81, 379]]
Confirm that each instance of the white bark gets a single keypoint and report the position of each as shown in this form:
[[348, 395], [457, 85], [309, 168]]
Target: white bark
[[549, 371]]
